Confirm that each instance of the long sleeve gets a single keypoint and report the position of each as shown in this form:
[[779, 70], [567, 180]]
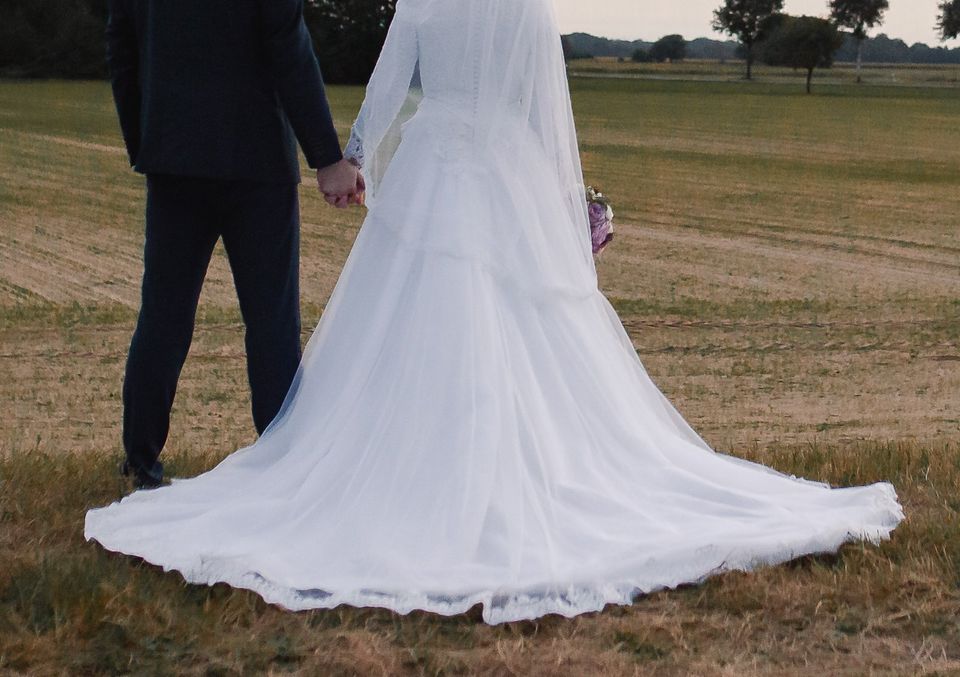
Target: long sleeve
[[354, 148], [123, 60], [387, 90], [297, 77]]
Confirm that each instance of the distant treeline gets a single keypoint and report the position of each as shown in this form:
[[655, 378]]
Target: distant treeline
[[881, 49], [584, 45], [65, 38]]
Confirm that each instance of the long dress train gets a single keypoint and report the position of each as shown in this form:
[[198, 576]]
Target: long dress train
[[470, 422]]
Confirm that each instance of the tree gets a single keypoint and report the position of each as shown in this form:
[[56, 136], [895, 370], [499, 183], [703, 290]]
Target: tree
[[806, 42], [949, 20], [641, 56], [746, 20], [348, 36], [672, 47], [859, 16], [53, 38], [65, 38]]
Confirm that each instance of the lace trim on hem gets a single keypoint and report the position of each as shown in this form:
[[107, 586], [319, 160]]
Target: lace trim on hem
[[507, 606]]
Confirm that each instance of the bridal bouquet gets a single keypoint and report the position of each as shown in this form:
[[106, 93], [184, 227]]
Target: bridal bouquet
[[601, 219]]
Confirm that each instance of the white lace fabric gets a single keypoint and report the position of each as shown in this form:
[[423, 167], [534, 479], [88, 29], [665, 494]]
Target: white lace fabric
[[354, 150], [470, 422]]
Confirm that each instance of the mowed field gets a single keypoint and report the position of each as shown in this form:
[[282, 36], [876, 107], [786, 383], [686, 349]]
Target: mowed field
[[788, 267]]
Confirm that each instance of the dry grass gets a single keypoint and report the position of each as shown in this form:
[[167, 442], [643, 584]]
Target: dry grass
[[789, 270]]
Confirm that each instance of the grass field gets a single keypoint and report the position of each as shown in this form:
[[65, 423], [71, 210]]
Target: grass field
[[788, 267]]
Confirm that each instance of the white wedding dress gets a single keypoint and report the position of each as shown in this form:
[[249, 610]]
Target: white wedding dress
[[470, 422]]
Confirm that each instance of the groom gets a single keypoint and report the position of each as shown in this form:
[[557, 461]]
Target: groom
[[212, 97]]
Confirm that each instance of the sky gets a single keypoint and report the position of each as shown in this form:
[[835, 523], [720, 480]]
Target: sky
[[910, 20]]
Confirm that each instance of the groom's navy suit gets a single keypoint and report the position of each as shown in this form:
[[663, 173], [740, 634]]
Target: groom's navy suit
[[212, 97]]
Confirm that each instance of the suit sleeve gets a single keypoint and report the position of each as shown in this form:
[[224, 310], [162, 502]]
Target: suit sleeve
[[123, 60], [296, 74]]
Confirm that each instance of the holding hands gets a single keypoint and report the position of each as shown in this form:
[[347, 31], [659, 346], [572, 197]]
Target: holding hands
[[341, 184]]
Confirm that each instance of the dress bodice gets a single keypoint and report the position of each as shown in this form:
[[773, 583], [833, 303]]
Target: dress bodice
[[470, 52]]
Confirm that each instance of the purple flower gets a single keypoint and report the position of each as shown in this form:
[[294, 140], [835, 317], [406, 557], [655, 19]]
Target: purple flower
[[601, 219], [598, 215], [600, 226], [601, 237]]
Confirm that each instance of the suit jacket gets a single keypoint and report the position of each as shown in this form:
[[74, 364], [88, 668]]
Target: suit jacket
[[218, 88]]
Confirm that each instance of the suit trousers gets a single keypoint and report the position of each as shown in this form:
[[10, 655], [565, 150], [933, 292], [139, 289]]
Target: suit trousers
[[185, 217]]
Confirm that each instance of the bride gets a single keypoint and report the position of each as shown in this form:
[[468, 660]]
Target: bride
[[470, 422]]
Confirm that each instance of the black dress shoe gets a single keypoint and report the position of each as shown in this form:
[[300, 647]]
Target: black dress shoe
[[143, 480]]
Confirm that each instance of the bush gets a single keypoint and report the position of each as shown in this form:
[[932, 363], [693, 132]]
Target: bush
[[348, 36]]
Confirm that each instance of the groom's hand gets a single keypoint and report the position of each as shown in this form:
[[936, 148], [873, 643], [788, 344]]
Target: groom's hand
[[340, 183]]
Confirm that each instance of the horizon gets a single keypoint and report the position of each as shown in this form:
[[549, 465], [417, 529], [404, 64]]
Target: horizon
[[949, 44], [909, 20]]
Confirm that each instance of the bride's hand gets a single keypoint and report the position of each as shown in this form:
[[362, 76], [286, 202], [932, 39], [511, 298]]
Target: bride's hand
[[339, 183], [360, 193]]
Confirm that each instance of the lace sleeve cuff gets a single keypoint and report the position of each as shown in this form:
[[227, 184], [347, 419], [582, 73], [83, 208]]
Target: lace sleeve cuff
[[354, 149]]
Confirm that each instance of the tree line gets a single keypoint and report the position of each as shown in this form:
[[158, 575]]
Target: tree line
[[877, 49], [766, 33], [807, 42], [53, 38], [65, 38]]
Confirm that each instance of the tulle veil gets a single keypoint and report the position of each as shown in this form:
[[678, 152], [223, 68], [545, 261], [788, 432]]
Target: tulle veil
[[520, 73]]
